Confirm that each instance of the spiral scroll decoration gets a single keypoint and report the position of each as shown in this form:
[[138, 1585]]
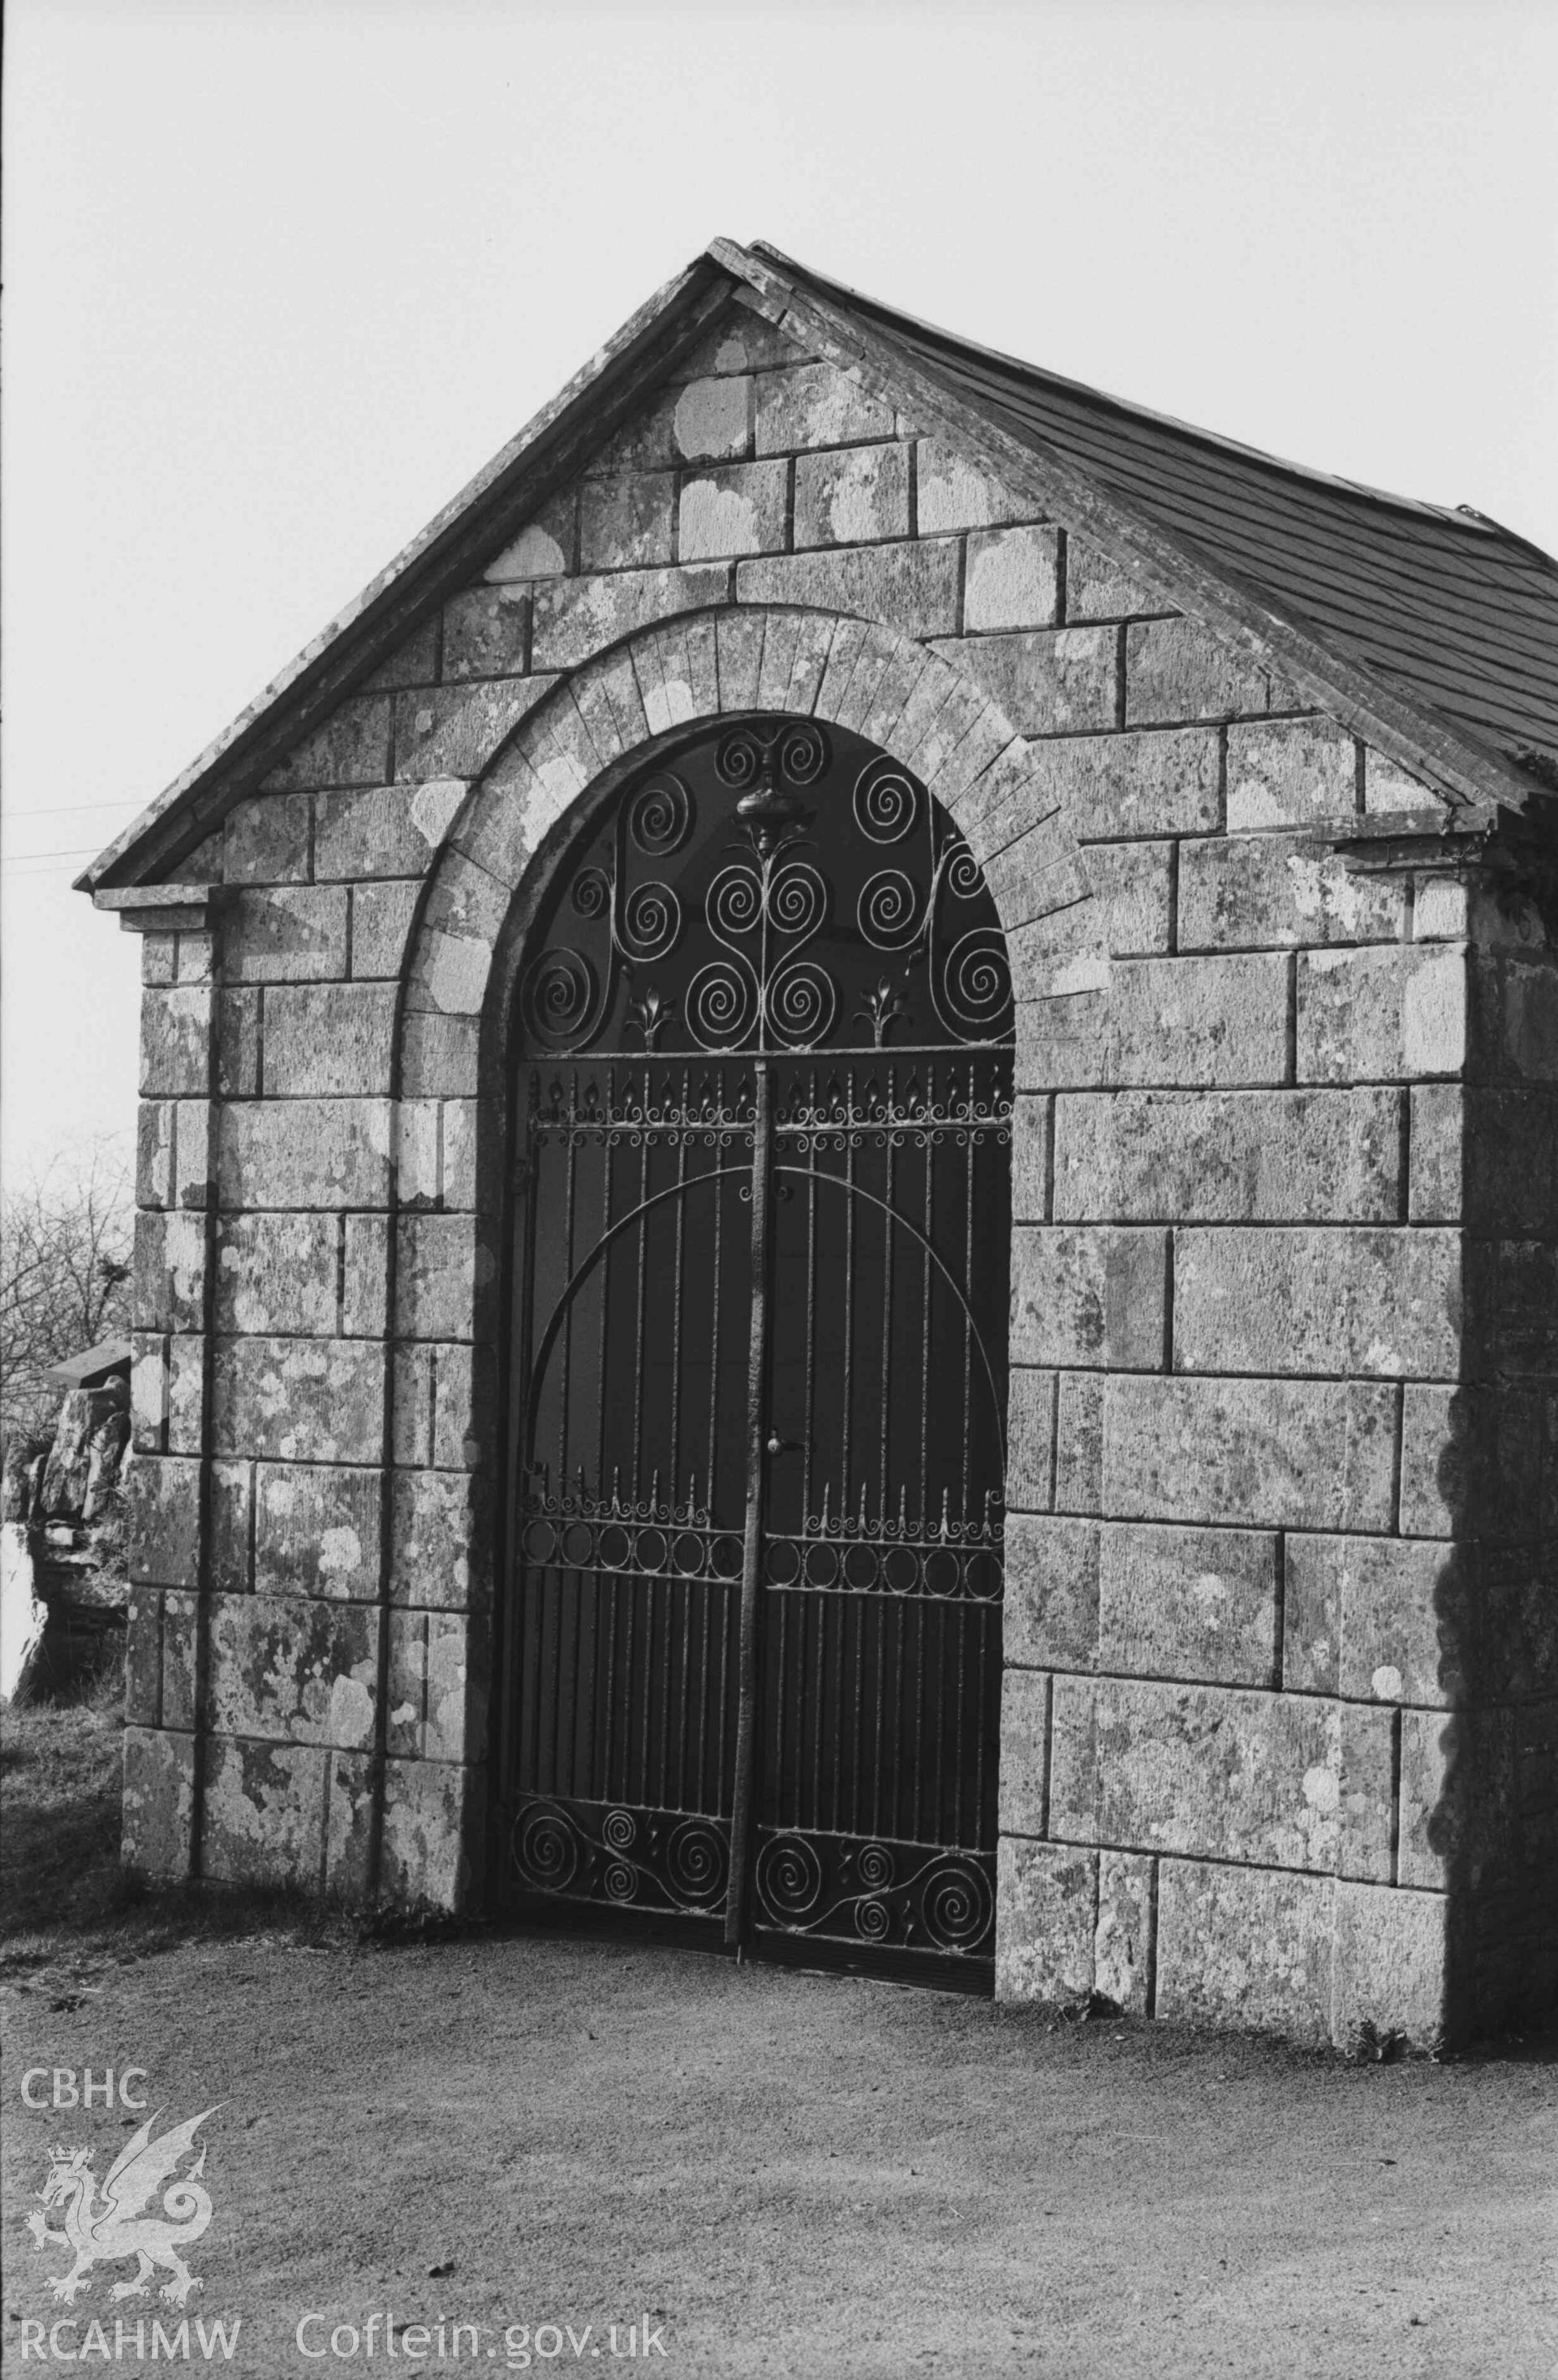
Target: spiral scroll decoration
[[660, 816], [557, 999], [888, 912], [791, 895], [547, 1849], [956, 1904], [886, 802], [789, 1878]]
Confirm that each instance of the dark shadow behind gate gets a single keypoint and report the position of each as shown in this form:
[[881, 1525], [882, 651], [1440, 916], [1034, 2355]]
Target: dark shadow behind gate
[[751, 1649]]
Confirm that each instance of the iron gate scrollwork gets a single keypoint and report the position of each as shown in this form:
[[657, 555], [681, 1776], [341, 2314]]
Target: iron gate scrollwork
[[762, 1168]]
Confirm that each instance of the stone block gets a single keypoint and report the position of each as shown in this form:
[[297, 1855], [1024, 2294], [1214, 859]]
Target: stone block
[[350, 748], [1011, 579], [299, 1400], [285, 1668], [1362, 1616], [738, 650], [414, 660], [154, 1128], [1387, 786], [176, 1042], [384, 829], [330, 1040], [547, 547], [437, 1708], [1165, 782], [1030, 1435], [455, 731], [1291, 772], [290, 934], [1352, 1298], [1050, 682], [1049, 1614], [1087, 1297], [1391, 1966], [1259, 1156], [911, 587], [1046, 1898], [443, 1268], [267, 841], [303, 1153], [741, 509], [742, 341], [1472, 1461], [1177, 669], [712, 420], [425, 1860], [317, 1531], [1033, 879], [364, 1283], [192, 1185], [1240, 1946], [1441, 1151], [237, 1043], [228, 1567], [263, 1814], [159, 958], [1518, 1016], [1135, 884], [159, 1803], [487, 633], [186, 1394], [1382, 1014], [1317, 1454], [677, 670], [1197, 1604], [1124, 1942], [576, 618], [626, 522], [381, 918], [952, 493], [856, 495], [1098, 589], [1179, 1022], [439, 1057], [164, 1528], [1210, 1772], [1031, 1159], [1238, 894], [149, 1393], [143, 1658], [1012, 800], [1080, 1442], [439, 1535], [170, 1271], [816, 405]]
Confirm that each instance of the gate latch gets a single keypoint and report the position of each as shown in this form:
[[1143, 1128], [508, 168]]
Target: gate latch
[[786, 1446]]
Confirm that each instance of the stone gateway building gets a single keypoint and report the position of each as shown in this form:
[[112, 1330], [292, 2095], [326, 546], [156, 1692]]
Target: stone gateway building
[[849, 1212]]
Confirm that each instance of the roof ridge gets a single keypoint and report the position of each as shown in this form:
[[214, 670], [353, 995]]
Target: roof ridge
[[1460, 516]]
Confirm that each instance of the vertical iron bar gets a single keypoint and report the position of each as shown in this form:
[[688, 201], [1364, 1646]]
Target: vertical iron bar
[[751, 1557]]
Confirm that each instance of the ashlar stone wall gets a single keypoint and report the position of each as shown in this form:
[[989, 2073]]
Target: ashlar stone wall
[[1278, 1731]]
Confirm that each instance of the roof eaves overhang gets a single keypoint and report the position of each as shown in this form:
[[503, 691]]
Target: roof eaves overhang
[[460, 539], [1468, 774]]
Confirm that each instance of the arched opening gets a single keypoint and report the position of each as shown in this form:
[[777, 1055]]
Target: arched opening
[[762, 1085]]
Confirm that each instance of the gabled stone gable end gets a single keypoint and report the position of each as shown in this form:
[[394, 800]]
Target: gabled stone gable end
[[1280, 1729]]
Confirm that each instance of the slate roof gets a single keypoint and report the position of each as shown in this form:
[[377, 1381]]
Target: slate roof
[[1451, 607], [1434, 633]]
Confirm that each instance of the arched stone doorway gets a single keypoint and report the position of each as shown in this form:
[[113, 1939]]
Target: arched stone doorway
[[750, 1649]]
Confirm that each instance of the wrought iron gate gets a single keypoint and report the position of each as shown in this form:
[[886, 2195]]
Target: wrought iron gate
[[753, 1642]]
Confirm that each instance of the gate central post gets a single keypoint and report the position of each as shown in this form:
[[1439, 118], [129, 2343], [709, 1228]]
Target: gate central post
[[751, 1551]]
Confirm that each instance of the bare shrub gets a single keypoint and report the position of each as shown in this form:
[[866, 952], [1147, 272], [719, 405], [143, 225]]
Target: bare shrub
[[67, 1235]]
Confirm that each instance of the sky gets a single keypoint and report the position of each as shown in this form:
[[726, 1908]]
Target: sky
[[279, 279]]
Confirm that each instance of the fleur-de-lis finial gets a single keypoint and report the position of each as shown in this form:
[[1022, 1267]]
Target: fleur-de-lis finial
[[881, 1007], [650, 1014]]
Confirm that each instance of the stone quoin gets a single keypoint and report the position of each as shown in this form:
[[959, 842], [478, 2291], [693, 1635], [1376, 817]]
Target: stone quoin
[[1260, 771]]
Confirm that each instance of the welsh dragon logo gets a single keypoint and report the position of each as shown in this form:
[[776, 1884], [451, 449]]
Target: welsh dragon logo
[[103, 2230]]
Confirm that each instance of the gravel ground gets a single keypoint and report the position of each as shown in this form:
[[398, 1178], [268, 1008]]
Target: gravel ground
[[782, 2173]]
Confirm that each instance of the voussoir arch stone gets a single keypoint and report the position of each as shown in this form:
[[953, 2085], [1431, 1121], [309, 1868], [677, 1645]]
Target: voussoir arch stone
[[608, 715]]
